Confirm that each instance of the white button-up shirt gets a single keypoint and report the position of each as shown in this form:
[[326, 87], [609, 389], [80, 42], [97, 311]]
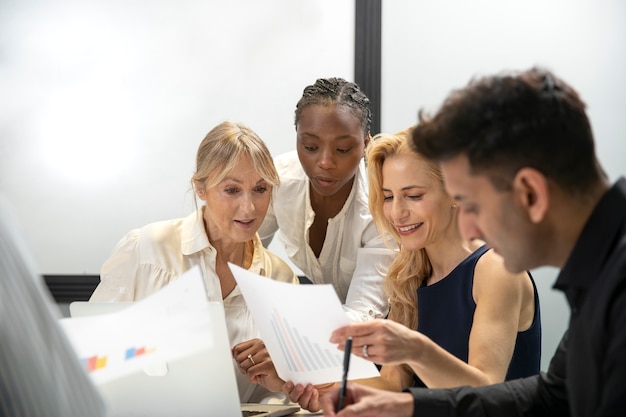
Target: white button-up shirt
[[149, 258], [354, 257]]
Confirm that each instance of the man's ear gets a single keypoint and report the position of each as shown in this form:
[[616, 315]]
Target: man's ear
[[530, 188]]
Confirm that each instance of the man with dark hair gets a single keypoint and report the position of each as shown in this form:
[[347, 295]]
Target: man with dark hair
[[517, 153]]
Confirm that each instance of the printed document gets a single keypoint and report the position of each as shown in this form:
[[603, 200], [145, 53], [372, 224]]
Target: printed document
[[295, 323]]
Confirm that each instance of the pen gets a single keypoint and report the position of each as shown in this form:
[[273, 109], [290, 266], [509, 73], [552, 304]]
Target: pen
[[344, 379]]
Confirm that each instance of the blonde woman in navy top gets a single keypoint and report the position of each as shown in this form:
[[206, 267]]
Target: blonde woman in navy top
[[477, 323]]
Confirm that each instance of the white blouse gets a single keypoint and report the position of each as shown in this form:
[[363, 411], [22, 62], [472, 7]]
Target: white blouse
[[148, 258], [354, 258]]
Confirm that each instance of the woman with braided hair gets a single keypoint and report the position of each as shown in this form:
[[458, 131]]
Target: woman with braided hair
[[321, 210], [321, 206]]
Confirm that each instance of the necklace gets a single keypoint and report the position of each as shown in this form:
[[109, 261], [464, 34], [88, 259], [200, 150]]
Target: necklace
[[243, 255]]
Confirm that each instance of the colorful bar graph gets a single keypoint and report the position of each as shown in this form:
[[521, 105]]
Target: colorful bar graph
[[96, 362]]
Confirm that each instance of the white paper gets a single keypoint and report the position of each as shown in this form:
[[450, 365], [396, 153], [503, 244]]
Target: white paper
[[169, 324], [295, 323]]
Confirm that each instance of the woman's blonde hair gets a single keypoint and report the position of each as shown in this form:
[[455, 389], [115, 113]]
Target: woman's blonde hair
[[410, 268], [223, 147]]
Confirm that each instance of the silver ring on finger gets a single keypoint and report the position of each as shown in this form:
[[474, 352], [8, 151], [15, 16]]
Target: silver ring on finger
[[364, 349]]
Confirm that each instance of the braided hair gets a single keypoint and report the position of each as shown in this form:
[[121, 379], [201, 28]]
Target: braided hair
[[327, 91]]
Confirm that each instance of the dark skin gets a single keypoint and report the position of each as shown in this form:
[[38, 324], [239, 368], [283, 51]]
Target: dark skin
[[331, 142], [325, 209]]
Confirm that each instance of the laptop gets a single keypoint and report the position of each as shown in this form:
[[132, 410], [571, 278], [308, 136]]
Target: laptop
[[198, 385]]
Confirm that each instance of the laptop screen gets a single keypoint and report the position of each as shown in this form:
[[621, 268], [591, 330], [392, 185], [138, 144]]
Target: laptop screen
[[166, 355], [198, 383]]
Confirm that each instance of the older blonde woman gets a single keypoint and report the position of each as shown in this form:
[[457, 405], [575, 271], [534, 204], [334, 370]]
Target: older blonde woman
[[234, 178]]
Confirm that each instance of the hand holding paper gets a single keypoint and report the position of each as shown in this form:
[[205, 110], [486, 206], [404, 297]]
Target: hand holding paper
[[295, 323]]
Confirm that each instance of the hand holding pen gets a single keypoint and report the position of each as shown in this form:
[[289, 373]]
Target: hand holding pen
[[344, 377]]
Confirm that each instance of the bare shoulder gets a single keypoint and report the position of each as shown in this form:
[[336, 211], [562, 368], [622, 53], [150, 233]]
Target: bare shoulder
[[504, 290], [492, 265], [491, 276]]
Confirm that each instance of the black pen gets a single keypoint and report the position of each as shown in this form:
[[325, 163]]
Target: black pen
[[344, 379]]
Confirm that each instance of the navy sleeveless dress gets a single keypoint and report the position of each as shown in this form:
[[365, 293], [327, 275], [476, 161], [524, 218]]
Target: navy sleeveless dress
[[446, 312]]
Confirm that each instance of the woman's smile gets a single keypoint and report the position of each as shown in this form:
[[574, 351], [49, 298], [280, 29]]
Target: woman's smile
[[408, 229]]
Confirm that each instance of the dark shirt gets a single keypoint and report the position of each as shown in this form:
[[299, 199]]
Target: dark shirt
[[587, 375], [446, 315]]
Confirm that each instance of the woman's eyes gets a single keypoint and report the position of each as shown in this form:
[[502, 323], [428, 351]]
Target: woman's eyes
[[410, 197], [234, 190], [315, 148]]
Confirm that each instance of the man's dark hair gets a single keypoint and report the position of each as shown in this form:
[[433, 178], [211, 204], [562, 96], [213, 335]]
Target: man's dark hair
[[506, 122]]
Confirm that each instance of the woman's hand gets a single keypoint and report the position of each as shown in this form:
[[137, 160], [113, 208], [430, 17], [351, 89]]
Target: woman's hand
[[381, 341], [308, 397], [255, 362]]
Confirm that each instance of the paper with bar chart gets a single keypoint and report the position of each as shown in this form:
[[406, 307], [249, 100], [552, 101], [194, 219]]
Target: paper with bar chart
[[172, 323], [295, 323]]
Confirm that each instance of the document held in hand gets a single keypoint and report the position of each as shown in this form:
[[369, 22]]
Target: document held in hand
[[170, 324], [295, 323]]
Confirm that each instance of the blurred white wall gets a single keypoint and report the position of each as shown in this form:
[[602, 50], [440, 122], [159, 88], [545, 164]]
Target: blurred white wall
[[431, 47], [104, 103]]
